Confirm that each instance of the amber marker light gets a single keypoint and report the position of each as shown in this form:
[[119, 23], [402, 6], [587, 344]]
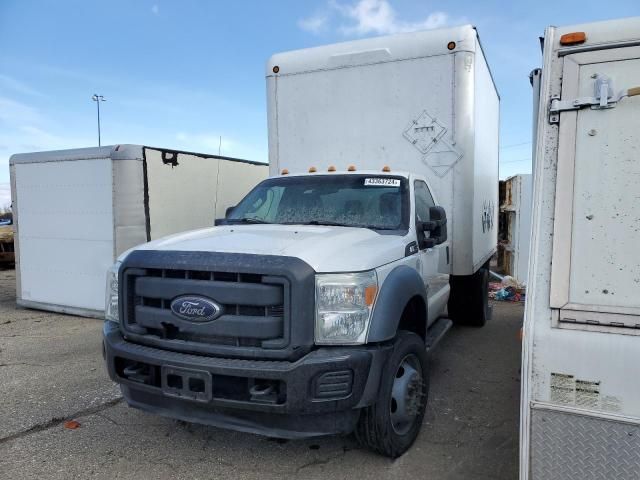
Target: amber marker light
[[386, 169], [451, 45], [352, 168], [573, 38], [312, 170], [276, 69], [284, 172], [331, 168], [370, 294]]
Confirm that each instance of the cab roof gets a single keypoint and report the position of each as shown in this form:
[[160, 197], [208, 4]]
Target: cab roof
[[373, 173]]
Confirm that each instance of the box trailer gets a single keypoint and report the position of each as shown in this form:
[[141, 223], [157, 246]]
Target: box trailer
[[580, 390], [76, 210], [515, 227], [313, 304]]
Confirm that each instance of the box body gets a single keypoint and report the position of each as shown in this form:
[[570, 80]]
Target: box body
[[76, 210], [580, 398], [515, 211], [404, 101]]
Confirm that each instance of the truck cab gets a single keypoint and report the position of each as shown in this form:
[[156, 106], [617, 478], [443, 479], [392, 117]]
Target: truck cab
[[311, 307], [296, 298], [390, 217]]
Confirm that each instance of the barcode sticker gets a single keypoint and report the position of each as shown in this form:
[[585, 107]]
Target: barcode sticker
[[381, 182]]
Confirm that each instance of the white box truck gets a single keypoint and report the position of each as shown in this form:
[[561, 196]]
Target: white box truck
[[76, 210], [310, 308], [580, 390]]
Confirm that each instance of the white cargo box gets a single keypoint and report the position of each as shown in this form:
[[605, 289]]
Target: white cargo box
[[421, 102], [76, 210], [514, 252], [580, 416]]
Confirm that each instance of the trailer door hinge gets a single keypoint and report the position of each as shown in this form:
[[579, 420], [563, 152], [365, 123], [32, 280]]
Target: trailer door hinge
[[603, 98]]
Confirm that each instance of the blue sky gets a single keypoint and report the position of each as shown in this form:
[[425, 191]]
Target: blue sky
[[181, 74]]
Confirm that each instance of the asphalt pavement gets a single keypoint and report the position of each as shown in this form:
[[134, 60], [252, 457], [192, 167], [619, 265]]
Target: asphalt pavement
[[51, 371]]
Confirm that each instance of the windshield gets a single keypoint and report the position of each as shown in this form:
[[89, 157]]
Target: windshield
[[369, 201]]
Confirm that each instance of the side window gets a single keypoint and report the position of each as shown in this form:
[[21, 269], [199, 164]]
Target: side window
[[424, 201]]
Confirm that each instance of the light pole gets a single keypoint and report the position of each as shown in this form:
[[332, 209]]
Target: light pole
[[98, 98]]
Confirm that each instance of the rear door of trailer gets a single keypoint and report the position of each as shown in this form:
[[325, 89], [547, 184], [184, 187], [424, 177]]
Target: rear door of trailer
[[581, 384]]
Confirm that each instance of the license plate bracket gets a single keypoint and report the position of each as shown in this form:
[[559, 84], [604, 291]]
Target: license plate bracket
[[186, 383]]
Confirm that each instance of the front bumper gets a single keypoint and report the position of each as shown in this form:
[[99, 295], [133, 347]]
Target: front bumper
[[319, 394]]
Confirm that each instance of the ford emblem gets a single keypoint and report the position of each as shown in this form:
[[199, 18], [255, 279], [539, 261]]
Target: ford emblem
[[195, 309]]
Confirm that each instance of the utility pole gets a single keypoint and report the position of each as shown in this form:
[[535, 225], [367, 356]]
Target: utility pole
[[98, 98]]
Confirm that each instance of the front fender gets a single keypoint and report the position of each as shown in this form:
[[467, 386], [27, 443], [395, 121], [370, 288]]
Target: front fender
[[401, 285]]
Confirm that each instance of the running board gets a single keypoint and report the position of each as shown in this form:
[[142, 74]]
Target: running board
[[436, 331]]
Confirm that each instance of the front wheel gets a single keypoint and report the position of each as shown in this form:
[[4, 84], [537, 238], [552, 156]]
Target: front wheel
[[391, 424]]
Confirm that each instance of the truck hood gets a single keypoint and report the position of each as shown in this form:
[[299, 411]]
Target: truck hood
[[324, 248]]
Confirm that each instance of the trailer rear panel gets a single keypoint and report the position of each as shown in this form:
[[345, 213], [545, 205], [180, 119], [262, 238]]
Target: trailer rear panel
[[581, 395]]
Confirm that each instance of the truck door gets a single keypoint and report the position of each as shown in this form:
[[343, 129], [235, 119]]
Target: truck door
[[432, 260], [595, 273]]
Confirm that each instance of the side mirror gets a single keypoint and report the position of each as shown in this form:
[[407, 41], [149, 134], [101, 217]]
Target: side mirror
[[436, 226], [223, 221]]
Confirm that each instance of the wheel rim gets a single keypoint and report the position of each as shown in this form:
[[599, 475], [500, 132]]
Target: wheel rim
[[407, 394]]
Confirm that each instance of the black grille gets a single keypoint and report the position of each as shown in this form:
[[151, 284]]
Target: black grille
[[253, 309], [267, 303]]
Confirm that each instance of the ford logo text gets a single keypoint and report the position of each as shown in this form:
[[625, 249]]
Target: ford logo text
[[195, 309]]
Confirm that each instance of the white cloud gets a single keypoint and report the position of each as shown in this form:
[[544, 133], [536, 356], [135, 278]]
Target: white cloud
[[379, 17], [17, 86], [315, 23], [365, 17], [14, 112], [155, 9], [43, 140]]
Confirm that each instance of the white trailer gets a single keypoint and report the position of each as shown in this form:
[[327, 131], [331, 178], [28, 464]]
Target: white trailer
[[516, 209], [580, 392], [76, 210]]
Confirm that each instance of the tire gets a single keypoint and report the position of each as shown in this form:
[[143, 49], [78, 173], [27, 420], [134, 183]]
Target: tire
[[389, 426], [469, 298]]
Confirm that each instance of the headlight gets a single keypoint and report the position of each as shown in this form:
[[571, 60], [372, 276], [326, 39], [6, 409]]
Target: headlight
[[111, 295], [343, 307]]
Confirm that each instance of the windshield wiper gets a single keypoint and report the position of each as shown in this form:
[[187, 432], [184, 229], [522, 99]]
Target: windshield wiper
[[247, 220], [328, 223]]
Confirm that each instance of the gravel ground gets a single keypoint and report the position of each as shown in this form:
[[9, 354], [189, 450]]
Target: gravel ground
[[51, 371]]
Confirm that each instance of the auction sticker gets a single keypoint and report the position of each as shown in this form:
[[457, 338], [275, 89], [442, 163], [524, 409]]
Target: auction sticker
[[382, 182]]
